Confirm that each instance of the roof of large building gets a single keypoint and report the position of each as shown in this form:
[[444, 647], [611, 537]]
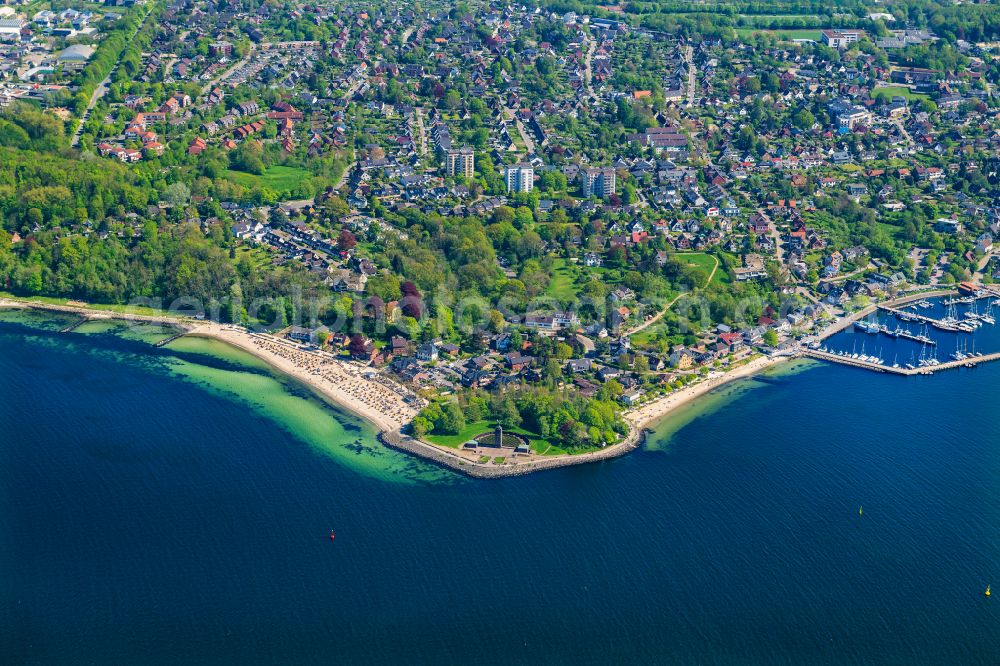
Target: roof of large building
[[78, 52]]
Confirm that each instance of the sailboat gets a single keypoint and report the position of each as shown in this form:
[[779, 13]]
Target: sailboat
[[988, 315], [987, 590], [861, 511]]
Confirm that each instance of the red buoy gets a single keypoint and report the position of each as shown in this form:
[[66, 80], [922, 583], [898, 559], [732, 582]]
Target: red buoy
[[331, 535]]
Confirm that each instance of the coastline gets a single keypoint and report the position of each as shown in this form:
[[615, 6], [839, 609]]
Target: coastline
[[650, 413], [389, 406], [341, 383]]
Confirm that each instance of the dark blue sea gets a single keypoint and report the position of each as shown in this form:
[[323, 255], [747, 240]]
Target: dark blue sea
[[157, 507]]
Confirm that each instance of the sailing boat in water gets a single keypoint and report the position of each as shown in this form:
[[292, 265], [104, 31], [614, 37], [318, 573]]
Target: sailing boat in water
[[987, 590], [861, 511], [988, 315]]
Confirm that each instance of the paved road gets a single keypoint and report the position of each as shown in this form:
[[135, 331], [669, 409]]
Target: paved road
[[344, 176], [689, 59], [421, 128], [245, 60], [102, 88], [525, 137], [902, 130], [588, 71], [981, 267]]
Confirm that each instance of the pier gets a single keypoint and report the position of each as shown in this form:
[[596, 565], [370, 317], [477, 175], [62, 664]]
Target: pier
[[75, 324], [83, 320], [923, 319], [907, 335], [849, 319], [969, 362], [167, 341]]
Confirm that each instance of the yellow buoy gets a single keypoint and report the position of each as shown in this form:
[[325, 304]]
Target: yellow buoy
[[987, 590]]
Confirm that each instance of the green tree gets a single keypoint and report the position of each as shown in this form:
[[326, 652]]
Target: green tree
[[452, 419]]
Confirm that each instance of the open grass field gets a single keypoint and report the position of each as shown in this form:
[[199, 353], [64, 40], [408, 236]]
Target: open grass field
[[472, 429], [258, 257], [783, 33], [277, 178], [648, 334], [902, 91], [705, 262], [563, 283]]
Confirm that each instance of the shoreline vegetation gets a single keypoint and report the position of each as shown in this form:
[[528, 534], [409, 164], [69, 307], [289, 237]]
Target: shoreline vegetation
[[390, 406]]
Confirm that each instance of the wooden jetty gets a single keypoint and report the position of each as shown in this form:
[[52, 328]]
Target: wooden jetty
[[83, 320], [923, 319], [969, 362], [167, 341], [907, 335], [78, 322]]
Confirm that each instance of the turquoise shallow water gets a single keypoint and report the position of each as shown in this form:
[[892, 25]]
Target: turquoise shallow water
[[174, 506]]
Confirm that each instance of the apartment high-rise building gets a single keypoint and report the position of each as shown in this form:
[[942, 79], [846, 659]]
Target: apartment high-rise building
[[598, 183], [520, 178], [461, 162]]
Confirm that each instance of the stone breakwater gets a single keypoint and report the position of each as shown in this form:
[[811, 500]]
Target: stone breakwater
[[476, 470]]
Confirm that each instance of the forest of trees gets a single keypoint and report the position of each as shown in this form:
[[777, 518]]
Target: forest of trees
[[562, 418]]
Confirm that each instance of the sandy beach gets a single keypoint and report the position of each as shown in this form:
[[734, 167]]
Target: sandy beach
[[390, 406], [362, 391], [358, 389], [649, 413]]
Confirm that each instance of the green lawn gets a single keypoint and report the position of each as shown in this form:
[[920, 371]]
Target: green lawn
[[562, 284], [277, 178], [538, 444], [472, 429], [258, 257], [902, 91], [785, 33], [648, 334], [705, 262]]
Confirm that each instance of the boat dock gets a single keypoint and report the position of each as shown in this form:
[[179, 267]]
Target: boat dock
[[78, 322], [899, 332], [969, 362], [907, 335], [83, 320], [923, 319], [167, 341]]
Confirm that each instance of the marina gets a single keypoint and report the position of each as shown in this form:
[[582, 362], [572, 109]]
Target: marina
[[290, 469], [907, 342], [898, 332], [970, 320], [867, 364]]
